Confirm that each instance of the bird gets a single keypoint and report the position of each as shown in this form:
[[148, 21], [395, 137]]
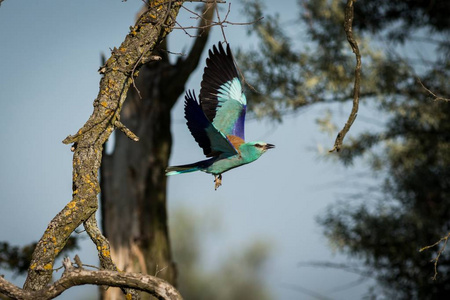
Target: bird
[[217, 120]]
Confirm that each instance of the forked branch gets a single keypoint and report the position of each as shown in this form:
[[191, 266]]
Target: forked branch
[[149, 31], [77, 275], [436, 259], [209, 23]]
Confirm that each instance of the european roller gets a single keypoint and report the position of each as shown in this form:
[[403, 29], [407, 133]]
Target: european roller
[[217, 121]]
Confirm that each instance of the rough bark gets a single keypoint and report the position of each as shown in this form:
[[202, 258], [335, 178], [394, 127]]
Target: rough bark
[[88, 142], [132, 177], [348, 27], [74, 276]]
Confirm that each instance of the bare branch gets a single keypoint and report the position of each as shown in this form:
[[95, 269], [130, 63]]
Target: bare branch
[[218, 19], [104, 253], [137, 48], [349, 8], [209, 23], [127, 131], [75, 276], [436, 98], [436, 259]]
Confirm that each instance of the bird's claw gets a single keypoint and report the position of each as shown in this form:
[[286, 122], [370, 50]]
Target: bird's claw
[[217, 181]]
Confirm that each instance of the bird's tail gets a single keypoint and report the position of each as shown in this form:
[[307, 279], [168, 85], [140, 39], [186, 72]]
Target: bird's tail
[[182, 169]]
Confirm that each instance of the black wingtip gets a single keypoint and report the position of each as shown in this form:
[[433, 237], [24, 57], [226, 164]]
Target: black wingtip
[[190, 95], [221, 50]]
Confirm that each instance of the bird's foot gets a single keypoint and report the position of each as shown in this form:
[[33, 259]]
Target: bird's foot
[[217, 181]]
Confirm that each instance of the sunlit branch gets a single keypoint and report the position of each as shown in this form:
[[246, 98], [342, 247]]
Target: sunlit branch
[[75, 276]]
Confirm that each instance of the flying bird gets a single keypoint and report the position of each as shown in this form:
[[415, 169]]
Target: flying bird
[[217, 121]]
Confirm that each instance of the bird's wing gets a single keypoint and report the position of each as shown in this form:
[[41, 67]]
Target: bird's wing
[[221, 95], [211, 140]]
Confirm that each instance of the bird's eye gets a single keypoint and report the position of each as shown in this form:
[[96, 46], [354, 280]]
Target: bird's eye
[[258, 145]]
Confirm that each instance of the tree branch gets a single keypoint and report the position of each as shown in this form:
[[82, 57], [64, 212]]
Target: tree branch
[[187, 66], [74, 276], [150, 30], [435, 97], [436, 259], [349, 8], [104, 252]]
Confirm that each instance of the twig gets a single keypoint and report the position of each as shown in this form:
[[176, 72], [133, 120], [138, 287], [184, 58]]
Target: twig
[[219, 22], [190, 27], [436, 98], [127, 131], [356, 89], [159, 271], [198, 16], [91, 266], [218, 19], [436, 259], [133, 74]]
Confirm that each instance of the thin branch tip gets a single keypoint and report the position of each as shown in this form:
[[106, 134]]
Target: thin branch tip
[[435, 97], [436, 259]]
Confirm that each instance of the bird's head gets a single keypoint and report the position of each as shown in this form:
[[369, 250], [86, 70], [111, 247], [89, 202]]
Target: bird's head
[[253, 150]]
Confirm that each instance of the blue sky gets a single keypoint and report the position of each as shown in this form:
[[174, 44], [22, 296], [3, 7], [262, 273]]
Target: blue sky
[[49, 56]]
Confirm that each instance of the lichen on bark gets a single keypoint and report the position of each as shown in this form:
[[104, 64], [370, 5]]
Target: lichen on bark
[[149, 31]]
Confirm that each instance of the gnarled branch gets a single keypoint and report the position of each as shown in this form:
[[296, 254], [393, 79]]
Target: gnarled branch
[[150, 30], [74, 276]]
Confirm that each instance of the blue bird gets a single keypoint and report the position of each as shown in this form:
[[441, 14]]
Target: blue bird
[[217, 122]]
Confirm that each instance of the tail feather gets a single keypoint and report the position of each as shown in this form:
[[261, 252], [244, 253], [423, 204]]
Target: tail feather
[[198, 166], [182, 169]]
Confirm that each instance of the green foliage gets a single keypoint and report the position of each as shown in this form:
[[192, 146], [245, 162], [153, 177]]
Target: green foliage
[[287, 74], [402, 18], [411, 208], [237, 276], [17, 259]]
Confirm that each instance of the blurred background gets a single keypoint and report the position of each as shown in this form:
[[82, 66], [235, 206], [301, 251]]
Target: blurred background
[[299, 223]]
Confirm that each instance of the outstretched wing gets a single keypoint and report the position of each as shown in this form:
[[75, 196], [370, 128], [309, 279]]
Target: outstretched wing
[[221, 95], [211, 140]]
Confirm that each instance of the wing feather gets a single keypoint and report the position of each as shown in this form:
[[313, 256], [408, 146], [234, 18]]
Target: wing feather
[[211, 140], [221, 95]]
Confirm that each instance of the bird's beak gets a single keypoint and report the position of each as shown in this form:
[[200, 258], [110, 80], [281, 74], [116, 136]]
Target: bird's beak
[[269, 146]]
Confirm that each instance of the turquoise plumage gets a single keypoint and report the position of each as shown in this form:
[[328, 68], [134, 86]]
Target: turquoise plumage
[[217, 122]]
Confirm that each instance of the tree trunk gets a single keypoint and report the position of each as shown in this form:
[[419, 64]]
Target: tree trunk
[[133, 180]]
